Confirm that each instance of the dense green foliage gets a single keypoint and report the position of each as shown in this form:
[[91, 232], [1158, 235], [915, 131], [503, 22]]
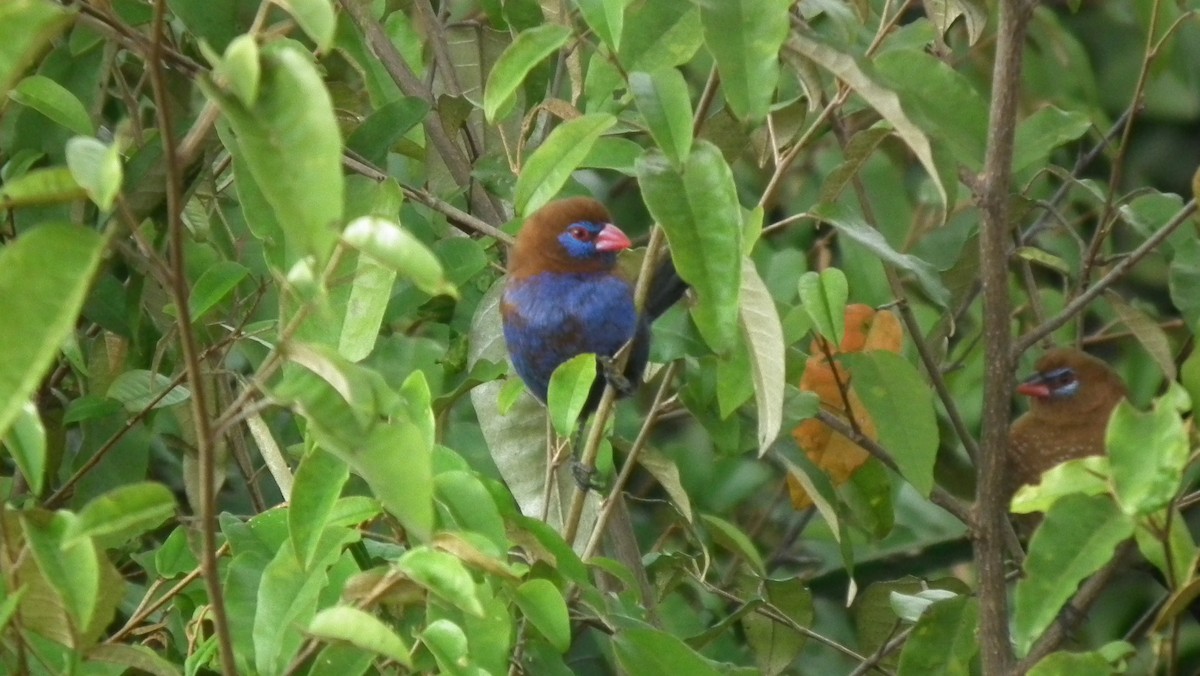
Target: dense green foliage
[[254, 403]]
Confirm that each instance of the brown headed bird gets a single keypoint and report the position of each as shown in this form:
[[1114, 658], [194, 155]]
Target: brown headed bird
[[1073, 395]]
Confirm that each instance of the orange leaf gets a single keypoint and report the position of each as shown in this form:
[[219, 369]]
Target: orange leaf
[[836, 455]]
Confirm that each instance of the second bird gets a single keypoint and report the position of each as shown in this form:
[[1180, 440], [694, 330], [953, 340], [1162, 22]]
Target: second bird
[[1072, 396]]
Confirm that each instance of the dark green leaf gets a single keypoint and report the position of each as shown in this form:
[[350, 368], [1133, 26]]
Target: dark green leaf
[[663, 100], [510, 70], [38, 317], [55, 102], [543, 604], [549, 167], [344, 623], [698, 208], [745, 37], [1078, 536], [901, 405]]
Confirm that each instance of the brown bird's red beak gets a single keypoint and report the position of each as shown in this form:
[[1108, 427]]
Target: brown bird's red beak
[[612, 239], [1034, 388]]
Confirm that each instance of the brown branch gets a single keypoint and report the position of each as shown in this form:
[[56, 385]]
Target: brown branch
[[408, 82], [938, 496], [1123, 266], [187, 341], [995, 186]]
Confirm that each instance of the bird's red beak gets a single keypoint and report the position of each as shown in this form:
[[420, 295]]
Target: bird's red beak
[[611, 239], [1034, 388]]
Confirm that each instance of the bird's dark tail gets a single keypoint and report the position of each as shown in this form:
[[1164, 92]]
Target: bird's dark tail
[[666, 287]]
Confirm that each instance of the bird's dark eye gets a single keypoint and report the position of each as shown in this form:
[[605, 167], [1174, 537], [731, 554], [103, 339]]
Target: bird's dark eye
[[580, 233], [1060, 378]]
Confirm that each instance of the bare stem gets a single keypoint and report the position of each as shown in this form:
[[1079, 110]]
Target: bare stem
[[995, 192], [191, 354]]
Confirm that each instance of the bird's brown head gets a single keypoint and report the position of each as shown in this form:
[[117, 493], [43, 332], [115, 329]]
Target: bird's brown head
[[573, 235], [1069, 382]]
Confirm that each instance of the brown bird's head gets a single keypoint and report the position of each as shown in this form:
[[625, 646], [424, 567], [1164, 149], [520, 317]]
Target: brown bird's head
[[1071, 383], [570, 236]]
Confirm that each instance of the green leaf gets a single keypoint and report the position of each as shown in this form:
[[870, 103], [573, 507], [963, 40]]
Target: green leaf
[[852, 226], [1088, 476], [745, 38], [944, 640], [71, 567], [287, 599], [606, 18], [214, 285], [901, 405], [51, 185], [911, 607], [370, 292], [27, 27], [470, 506], [698, 209], [612, 152], [448, 643], [136, 657], [361, 629], [775, 645], [289, 143], [1145, 328], [943, 101], [1174, 555], [26, 442], [444, 575], [856, 75], [136, 390], [733, 539], [659, 35], [823, 296], [549, 167], [44, 276], [1077, 538], [1045, 130], [241, 69], [1065, 663], [1147, 452], [124, 513], [644, 651], [318, 484], [390, 244], [530, 47], [1183, 280], [96, 167], [763, 334], [54, 101], [568, 392], [543, 604], [663, 100], [316, 19]]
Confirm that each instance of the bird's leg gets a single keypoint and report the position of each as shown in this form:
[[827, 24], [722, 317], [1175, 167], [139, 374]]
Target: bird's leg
[[585, 477], [614, 377]]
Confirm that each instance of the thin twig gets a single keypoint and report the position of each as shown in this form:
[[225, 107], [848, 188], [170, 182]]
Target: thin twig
[[1123, 266], [205, 448]]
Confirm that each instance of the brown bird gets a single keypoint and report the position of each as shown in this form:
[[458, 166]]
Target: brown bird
[[1073, 395]]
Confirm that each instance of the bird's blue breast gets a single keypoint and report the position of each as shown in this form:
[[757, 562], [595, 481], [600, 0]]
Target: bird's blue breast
[[552, 317]]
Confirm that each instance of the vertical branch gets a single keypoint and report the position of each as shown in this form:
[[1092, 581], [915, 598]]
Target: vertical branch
[[187, 341], [994, 188]]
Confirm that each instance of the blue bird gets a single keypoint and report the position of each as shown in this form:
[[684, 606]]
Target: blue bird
[[564, 296]]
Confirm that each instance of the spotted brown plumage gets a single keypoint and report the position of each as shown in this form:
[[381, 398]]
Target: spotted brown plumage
[[1072, 395]]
